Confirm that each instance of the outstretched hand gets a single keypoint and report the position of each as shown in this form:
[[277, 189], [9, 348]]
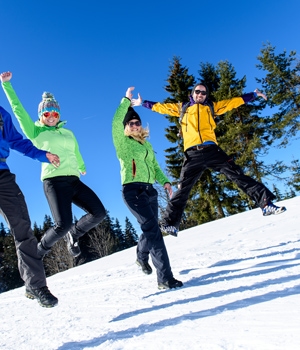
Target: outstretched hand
[[258, 93], [136, 101]]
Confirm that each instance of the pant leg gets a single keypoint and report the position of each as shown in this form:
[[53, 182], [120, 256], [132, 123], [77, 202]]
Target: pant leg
[[14, 209], [192, 169], [142, 246], [87, 200], [137, 197], [255, 190], [59, 194]]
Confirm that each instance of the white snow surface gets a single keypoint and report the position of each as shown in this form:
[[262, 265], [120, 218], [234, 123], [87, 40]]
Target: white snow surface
[[241, 290]]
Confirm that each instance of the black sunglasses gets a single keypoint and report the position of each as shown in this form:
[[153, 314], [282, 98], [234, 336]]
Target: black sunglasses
[[137, 123], [202, 92]]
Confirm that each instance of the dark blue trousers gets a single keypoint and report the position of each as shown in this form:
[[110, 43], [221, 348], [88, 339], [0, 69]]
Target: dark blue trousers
[[141, 200]]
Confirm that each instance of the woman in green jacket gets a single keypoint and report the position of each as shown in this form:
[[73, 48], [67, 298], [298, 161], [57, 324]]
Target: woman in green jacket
[[62, 185], [139, 170]]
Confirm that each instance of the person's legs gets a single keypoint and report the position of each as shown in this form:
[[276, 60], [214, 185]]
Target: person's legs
[[255, 190], [138, 197], [14, 209], [142, 246], [59, 194], [87, 200]]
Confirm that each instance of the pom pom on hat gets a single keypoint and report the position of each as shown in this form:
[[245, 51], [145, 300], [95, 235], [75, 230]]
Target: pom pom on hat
[[130, 115], [48, 104]]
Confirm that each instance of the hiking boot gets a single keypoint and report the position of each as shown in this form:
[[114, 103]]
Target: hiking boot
[[72, 244], [169, 230], [272, 209], [43, 296], [146, 268], [172, 283]]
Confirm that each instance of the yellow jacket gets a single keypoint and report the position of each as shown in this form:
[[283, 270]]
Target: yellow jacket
[[198, 123]]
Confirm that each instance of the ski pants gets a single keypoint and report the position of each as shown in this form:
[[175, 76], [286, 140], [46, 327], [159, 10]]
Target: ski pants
[[14, 210], [61, 192], [197, 159], [141, 200]]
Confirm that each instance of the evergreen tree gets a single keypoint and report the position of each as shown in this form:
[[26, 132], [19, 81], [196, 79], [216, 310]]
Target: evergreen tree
[[131, 237], [294, 181], [2, 230], [120, 239], [282, 86], [9, 272], [180, 83], [37, 231]]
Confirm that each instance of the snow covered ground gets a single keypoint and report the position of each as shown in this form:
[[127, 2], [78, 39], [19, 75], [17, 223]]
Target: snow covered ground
[[241, 290]]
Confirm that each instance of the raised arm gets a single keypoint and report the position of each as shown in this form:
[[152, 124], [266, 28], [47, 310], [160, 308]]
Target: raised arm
[[26, 123]]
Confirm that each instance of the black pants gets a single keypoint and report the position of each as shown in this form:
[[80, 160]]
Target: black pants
[[141, 200], [14, 210], [212, 157], [61, 192]]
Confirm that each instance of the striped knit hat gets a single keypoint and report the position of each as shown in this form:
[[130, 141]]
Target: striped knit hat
[[48, 104]]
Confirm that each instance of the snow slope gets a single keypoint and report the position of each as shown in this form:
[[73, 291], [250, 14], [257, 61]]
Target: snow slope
[[241, 290]]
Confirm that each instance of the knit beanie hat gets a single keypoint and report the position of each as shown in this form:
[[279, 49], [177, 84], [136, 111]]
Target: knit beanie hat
[[131, 114], [48, 104]]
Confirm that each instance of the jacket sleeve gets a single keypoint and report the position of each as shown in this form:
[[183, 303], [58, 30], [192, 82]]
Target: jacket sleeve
[[117, 124], [172, 109], [18, 143], [26, 123], [224, 106], [159, 174]]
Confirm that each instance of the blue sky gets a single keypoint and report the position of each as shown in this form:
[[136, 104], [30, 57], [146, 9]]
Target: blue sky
[[88, 52]]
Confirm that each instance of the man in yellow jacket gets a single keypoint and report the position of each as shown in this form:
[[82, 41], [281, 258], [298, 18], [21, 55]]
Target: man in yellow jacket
[[202, 151]]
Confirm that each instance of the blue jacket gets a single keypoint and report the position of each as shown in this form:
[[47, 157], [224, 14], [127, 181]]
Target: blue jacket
[[10, 138]]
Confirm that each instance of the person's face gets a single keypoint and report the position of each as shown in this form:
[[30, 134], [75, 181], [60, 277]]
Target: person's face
[[199, 94], [50, 118], [134, 125]]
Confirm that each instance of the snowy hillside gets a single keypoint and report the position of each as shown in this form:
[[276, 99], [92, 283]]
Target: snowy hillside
[[241, 290]]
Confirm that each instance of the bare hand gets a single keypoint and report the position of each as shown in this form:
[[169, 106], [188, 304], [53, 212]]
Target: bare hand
[[258, 93], [129, 93], [53, 159], [83, 172], [5, 76], [136, 101], [168, 187]]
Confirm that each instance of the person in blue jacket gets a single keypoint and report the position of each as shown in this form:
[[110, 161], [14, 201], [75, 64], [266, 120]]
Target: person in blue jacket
[[14, 210]]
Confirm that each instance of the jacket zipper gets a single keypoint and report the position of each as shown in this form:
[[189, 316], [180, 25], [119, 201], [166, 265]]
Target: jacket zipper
[[199, 124]]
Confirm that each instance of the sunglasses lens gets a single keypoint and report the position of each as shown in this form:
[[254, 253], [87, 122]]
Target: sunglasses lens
[[53, 114], [197, 92], [134, 123]]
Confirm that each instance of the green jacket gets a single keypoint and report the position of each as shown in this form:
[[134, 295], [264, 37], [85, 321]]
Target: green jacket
[[54, 139], [137, 160]]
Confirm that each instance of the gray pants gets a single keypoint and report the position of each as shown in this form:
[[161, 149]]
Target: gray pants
[[14, 210]]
